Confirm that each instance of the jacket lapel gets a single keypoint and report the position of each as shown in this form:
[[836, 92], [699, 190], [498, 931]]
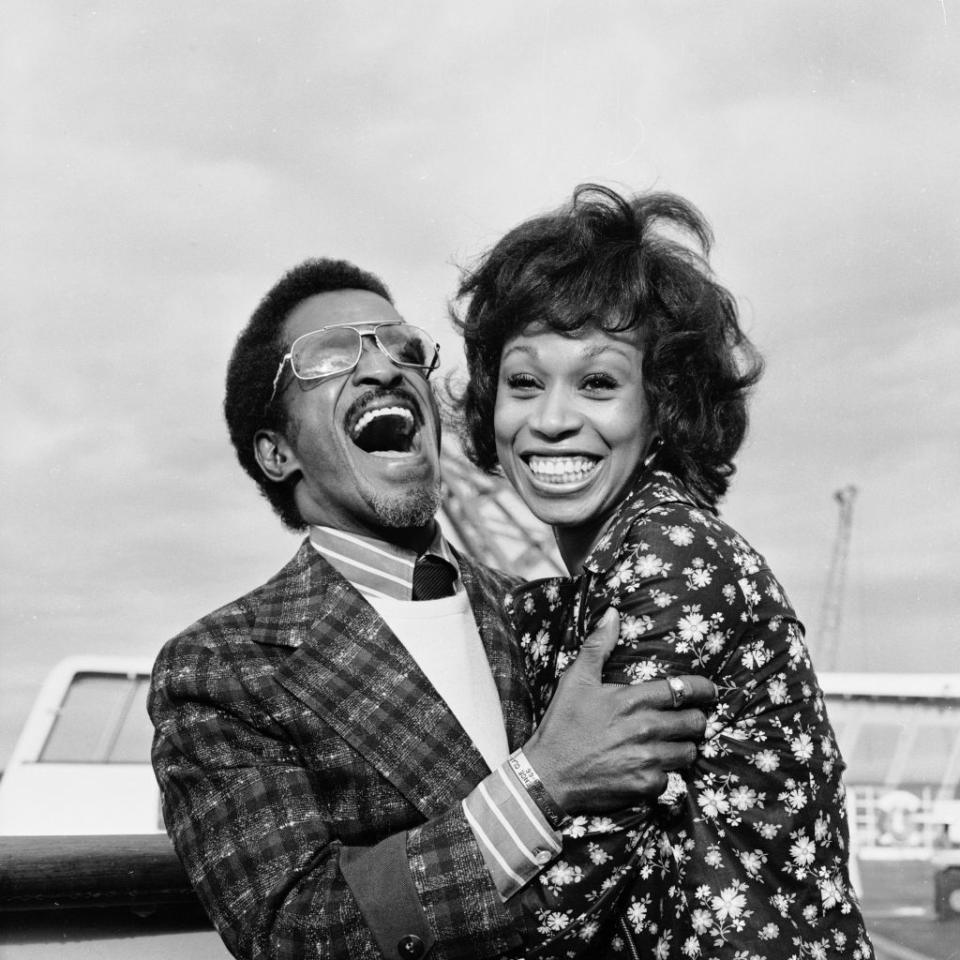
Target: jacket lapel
[[352, 671]]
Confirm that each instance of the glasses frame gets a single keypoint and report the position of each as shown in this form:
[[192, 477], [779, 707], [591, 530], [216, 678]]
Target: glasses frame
[[362, 330]]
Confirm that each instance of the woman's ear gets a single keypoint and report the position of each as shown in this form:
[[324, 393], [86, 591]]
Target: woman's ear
[[275, 456], [653, 449]]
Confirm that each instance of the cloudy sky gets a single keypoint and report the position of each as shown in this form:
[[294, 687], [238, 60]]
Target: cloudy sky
[[163, 163]]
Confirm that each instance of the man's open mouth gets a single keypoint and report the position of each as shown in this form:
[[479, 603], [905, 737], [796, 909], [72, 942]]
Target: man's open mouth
[[389, 429]]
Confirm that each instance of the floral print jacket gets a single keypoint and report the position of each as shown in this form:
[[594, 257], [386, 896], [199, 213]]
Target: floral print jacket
[[744, 857]]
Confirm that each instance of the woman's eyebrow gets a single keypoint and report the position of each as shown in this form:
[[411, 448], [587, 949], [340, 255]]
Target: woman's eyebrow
[[601, 348], [590, 353], [523, 348]]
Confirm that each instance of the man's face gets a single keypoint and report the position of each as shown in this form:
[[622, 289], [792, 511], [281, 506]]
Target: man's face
[[364, 443]]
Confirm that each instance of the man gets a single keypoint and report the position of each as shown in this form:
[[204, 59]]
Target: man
[[334, 758]]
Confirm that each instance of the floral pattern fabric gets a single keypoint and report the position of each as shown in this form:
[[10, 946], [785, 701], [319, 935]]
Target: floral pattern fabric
[[744, 856]]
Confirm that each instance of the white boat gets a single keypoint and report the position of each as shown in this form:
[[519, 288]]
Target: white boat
[[82, 762]]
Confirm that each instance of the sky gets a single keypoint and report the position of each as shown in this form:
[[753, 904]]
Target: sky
[[163, 163]]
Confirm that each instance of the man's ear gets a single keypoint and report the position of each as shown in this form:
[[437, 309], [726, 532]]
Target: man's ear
[[275, 456]]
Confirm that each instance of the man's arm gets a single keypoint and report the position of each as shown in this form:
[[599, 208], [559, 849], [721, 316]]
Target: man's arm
[[296, 861], [285, 830], [600, 748]]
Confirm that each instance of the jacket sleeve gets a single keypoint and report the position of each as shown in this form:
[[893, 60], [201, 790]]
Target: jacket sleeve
[[759, 852], [296, 859]]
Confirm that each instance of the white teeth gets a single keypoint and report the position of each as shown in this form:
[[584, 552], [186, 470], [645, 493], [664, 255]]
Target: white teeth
[[372, 415], [561, 469]]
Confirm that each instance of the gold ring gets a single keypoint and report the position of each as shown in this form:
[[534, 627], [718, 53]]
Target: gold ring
[[678, 690]]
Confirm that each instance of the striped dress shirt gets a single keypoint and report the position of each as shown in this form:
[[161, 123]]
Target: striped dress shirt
[[374, 567]]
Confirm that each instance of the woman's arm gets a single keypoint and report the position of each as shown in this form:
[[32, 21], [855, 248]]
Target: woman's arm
[[759, 854]]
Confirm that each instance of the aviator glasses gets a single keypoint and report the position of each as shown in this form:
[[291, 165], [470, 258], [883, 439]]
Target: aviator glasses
[[336, 350]]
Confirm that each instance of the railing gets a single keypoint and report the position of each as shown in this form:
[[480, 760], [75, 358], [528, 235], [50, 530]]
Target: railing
[[892, 824], [141, 872]]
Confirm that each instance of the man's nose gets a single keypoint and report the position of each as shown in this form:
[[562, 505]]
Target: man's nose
[[374, 366]]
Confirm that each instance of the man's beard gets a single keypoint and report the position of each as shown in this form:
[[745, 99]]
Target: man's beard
[[415, 508]]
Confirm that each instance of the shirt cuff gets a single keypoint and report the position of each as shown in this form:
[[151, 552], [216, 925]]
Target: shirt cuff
[[514, 835]]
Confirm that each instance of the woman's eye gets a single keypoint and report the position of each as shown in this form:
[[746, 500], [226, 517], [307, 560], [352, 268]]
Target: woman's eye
[[521, 381], [600, 381]]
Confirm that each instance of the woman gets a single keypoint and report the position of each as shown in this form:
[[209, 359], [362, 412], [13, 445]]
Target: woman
[[608, 380]]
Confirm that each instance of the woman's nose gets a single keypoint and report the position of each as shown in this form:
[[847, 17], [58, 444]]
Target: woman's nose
[[555, 414]]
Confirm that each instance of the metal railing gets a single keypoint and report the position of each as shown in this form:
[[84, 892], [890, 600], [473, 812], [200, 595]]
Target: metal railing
[[140, 871]]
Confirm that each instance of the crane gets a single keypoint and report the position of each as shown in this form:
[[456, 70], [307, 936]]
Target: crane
[[831, 610]]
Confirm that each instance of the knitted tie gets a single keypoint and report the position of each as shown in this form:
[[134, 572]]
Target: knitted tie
[[432, 577]]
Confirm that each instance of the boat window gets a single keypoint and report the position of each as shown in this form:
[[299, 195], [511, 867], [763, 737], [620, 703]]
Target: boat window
[[102, 719], [136, 731]]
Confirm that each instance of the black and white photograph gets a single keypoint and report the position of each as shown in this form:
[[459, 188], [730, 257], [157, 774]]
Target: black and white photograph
[[480, 480]]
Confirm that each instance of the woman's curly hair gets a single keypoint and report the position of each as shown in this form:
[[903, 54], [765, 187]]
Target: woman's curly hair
[[603, 260]]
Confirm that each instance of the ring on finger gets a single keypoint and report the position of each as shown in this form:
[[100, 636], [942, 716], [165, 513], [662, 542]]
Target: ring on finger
[[678, 691]]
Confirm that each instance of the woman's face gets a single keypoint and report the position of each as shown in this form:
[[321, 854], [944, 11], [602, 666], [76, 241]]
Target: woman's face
[[572, 423]]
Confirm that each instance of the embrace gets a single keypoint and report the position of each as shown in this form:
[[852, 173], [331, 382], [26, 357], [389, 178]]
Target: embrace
[[390, 750]]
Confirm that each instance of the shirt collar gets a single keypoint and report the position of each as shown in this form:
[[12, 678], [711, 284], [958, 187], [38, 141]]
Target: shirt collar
[[375, 567]]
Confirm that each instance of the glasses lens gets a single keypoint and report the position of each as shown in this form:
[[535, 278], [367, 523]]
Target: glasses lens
[[407, 345], [325, 352]]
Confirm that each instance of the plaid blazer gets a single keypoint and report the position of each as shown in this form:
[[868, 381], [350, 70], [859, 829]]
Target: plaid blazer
[[311, 774]]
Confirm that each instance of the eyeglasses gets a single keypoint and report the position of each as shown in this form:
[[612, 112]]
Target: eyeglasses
[[336, 350]]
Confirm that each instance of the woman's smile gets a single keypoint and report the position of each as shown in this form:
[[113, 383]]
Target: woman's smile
[[562, 471]]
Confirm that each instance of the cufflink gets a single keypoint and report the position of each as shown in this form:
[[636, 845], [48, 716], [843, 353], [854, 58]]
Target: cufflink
[[410, 947]]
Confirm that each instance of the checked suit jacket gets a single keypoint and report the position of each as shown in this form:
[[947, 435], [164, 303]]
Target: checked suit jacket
[[311, 775]]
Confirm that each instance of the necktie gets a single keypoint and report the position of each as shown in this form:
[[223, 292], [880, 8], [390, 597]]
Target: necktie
[[432, 577]]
